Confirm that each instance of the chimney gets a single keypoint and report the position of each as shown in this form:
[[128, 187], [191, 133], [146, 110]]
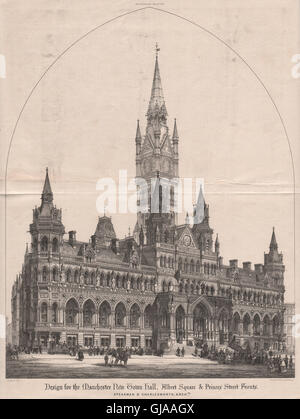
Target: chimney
[[233, 263], [72, 237], [258, 267], [247, 266]]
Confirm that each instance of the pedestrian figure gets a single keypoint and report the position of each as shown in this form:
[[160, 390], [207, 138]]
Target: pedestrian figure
[[182, 352], [291, 362], [111, 360], [106, 359], [125, 358], [286, 361]]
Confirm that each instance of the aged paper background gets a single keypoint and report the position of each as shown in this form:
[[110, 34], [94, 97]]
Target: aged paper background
[[230, 132]]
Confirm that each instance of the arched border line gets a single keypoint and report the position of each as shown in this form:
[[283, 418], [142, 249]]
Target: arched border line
[[93, 30]]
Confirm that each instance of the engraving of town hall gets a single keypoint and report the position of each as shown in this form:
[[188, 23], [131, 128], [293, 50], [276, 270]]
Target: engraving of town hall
[[162, 287]]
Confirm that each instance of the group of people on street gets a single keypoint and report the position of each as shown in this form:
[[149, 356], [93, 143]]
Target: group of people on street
[[275, 362], [115, 356], [180, 352], [13, 351]]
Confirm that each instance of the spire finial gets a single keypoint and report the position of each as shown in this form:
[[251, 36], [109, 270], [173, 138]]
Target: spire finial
[[47, 195], [273, 243], [175, 132], [156, 49], [138, 135]]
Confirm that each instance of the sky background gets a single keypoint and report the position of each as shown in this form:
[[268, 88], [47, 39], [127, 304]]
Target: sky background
[[81, 120]]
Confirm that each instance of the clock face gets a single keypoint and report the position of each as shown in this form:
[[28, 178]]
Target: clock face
[[187, 240]]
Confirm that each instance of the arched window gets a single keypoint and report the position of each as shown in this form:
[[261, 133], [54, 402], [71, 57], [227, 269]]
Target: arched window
[[192, 267], [102, 279], [108, 279], [164, 286], [54, 312], [104, 314], [44, 313], [148, 316], [55, 245], [44, 244], [69, 276], [180, 264], [246, 324], [236, 323], [135, 314], [161, 262], [93, 278], [256, 325], [198, 266], [54, 274], [72, 310], [44, 274], [266, 326], [275, 325], [76, 277], [88, 313], [120, 315], [86, 278]]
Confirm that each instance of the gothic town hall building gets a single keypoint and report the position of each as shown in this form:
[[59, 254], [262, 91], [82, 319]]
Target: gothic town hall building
[[163, 286]]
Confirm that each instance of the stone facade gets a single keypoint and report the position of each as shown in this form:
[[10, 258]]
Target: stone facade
[[164, 285], [289, 325]]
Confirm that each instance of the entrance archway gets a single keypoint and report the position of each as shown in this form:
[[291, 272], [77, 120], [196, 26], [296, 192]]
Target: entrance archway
[[200, 322]]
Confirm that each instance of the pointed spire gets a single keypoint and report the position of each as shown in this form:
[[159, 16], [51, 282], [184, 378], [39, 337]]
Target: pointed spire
[[187, 219], [175, 133], [199, 210], [217, 244], [217, 240], [157, 101], [47, 195], [273, 243], [138, 136]]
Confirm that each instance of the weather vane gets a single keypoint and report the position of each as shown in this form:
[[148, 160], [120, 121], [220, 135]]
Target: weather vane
[[157, 49]]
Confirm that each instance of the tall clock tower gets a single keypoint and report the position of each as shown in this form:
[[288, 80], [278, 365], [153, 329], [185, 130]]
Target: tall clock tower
[[156, 156]]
